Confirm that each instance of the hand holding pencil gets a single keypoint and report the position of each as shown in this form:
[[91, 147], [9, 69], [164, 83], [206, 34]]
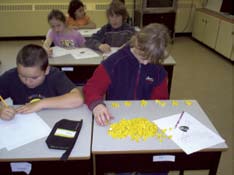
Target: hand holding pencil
[[6, 112]]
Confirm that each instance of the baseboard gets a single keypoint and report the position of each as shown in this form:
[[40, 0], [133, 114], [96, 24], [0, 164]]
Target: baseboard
[[213, 50], [189, 34]]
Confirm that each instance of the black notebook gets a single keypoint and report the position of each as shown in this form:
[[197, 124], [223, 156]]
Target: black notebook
[[64, 135]]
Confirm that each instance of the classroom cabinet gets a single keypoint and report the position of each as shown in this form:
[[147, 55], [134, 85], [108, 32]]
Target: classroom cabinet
[[205, 28], [225, 38], [215, 30]]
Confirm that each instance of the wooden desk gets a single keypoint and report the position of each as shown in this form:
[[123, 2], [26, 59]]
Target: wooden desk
[[124, 155], [45, 160], [80, 70]]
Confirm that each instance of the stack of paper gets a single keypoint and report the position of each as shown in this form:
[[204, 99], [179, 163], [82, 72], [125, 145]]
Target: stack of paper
[[23, 129], [188, 133], [77, 53]]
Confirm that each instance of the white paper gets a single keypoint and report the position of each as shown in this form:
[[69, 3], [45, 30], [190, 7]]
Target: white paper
[[164, 158], [77, 53], [190, 134], [88, 32], [23, 129], [1, 145], [59, 51], [81, 53], [21, 167], [113, 50]]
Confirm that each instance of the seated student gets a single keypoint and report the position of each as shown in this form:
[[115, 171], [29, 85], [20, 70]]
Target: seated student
[[36, 85], [114, 34], [60, 35], [132, 73], [77, 18]]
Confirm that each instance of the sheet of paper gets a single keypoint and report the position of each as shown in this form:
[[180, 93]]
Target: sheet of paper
[[77, 53], [59, 51], [23, 129], [81, 53], [190, 134], [88, 32], [113, 50], [1, 145]]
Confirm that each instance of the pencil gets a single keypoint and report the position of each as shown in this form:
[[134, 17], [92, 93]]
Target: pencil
[[3, 101], [181, 115]]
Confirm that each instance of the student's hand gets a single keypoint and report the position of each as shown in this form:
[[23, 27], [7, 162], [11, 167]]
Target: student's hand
[[7, 113], [102, 115], [50, 52], [105, 48], [29, 108]]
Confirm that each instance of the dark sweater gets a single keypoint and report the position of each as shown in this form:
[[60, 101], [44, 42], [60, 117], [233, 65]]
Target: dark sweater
[[113, 37]]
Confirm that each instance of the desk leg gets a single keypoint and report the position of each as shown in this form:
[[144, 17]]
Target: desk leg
[[169, 69], [215, 163]]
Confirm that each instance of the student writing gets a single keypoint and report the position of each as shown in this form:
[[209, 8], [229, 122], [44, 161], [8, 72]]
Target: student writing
[[35, 85], [60, 35]]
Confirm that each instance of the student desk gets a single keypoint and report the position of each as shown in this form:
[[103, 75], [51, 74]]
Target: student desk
[[124, 155], [45, 160], [80, 70]]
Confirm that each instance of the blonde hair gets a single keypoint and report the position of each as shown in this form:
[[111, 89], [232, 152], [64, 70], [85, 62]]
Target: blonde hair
[[152, 40]]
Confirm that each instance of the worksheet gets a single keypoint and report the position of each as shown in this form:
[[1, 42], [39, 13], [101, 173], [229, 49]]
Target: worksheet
[[188, 133], [21, 130]]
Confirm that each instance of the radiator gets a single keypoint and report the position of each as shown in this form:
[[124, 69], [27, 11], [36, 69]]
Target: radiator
[[30, 19]]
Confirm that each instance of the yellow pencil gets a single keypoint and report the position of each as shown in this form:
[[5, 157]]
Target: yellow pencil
[[3, 101]]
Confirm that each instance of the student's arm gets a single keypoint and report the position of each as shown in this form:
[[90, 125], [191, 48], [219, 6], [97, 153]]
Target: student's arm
[[96, 39], [47, 43], [6, 112], [161, 91], [72, 99], [94, 92], [96, 87]]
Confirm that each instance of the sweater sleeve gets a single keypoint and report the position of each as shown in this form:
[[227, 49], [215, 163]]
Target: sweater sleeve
[[96, 87], [96, 39], [161, 91]]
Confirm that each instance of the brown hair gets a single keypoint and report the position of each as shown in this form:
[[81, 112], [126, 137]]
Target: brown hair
[[32, 55], [56, 14], [152, 40], [73, 6], [117, 8]]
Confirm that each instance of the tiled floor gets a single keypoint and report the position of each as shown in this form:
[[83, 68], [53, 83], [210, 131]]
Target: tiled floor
[[199, 74]]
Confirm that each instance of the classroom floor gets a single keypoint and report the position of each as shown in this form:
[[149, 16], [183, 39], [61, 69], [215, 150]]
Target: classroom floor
[[199, 74]]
